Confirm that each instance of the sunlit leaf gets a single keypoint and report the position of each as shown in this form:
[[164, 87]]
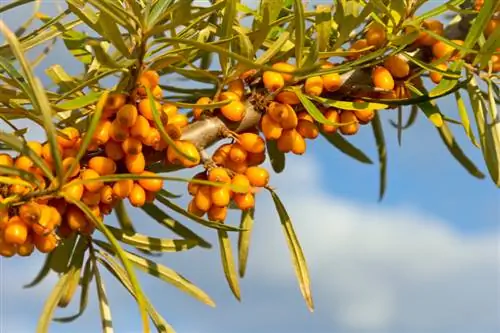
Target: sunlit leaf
[[346, 147], [228, 265]]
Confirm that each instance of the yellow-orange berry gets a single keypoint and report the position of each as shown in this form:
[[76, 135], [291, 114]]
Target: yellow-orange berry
[[173, 131], [27, 248], [314, 85], [286, 140], [237, 153], [242, 182], [219, 174], [332, 82], [307, 129], [332, 115], [193, 187], [238, 167], [135, 163], [285, 67], [127, 115], [91, 198], [217, 213], [122, 188], [146, 109], [132, 146], [382, 78], [233, 111], [93, 185], [76, 219], [101, 134], [291, 120], [360, 44], [30, 212], [273, 81], [141, 128], [73, 190], [197, 112], [153, 137], [67, 163], [152, 185], [179, 119], [244, 201], [118, 132], [349, 117], [299, 145], [375, 35], [236, 86], [220, 196], [137, 196], [397, 66], [228, 95], [114, 150], [252, 142], [45, 244], [6, 160], [24, 163], [278, 111], [271, 129], [257, 176], [442, 50], [157, 92], [256, 159], [436, 77], [193, 209], [16, 231], [169, 110], [491, 26], [152, 76], [103, 165], [106, 196], [35, 146], [288, 97], [221, 154], [364, 116], [203, 199], [426, 39], [115, 101], [72, 135], [189, 149]]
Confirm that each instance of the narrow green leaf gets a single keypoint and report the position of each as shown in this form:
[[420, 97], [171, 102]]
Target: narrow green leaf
[[346, 147], [447, 84], [429, 108], [228, 265], [61, 255], [158, 8], [436, 11], [74, 271], [274, 49], [300, 31], [298, 259], [104, 309], [343, 105], [276, 157], [262, 28], [163, 273], [51, 304], [476, 30], [430, 67], [246, 223], [15, 172], [112, 33], [323, 26], [80, 102], [382, 153], [175, 226], [311, 108], [411, 118], [462, 110], [226, 30], [19, 80]]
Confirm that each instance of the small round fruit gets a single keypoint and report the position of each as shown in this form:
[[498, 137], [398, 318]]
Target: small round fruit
[[332, 82], [244, 201], [228, 95], [285, 67], [307, 129], [73, 190], [217, 213], [299, 145], [220, 196], [30, 212], [287, 97], [67, 163], [442, 50], [252, 142], [91, 198], [242, 182], [236, 86], [238, 167], [76, 219], [118, 132], [26, 249], [7, 250], [114, 150], [132, 146], [93, 185], [35, 146], [291, 120], [197, 112], [491, 27], [106, 195], [141, 128], [219, 174], [364, 116], [426, 39], [237, 153], [152, 185], [122, 188], [222, 154], [397, 66], [233, 111], [115, 101], [273, 80], [146, 109], [382, 78], [314, 85], [137, 196], [286, 140], [193, 209], [256, 159], [101, 133], [72, 135], [179, 119], [102, 165], [203, 198], [45, 244], [16, 231], [360, 44], [278, 111], [349, 117], [127, 115], [135, 163], [257, 176], [436, 77], [271, 129], [24, 163], [375, 35], [6, 160], [193, 187]]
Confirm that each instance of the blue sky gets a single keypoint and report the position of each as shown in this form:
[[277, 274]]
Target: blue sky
[[423, 260]]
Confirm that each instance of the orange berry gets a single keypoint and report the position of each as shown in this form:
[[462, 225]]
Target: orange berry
[[4, 218], [314, 86], [286, 140], [45, 244], [157, 92], [219, 175], [101, 134], [252, 142], [242, 182], [132, 146], [76, 219], [288, 97], [26, 249], [122, 188], [491, 26], [238, 167], [115, 101], [273, 81], [237, 153], [278, 111], [307, 129], [272, 130], [356, 46], [169, 110], [153, 137], [236, 86], [114, 150], [152, 77], [92, 185], [285, 67], [24, 163], [16, 231], [244, 201], [256, 159], [375, 35], [291, 120], [173, 131], [397, 66], [127, 115], [7, 250], [222, 154], [137, 196], [442, 50], [30, 212], [220, 196], [146, 109], [216, 213], [382, 78], [103, 165], [67, 163], [197, 112], [47, 153], [364, 116], [117, 132], [141, 128], [92, 198], [332, 82], [179, 119], [106, 196], [347, 117], [135, 163], [193, 209], [299, 145], [433, 25], [233, 111], [193, 187], [257, 176], [72, 136], [436, 77], [188, 149], [73, 191], [228, 95], [6, 160], [35, 146], [152, 185], [203, 199]]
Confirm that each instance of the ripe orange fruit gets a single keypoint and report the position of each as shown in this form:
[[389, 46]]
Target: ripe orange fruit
[[117, 132], [217, 213], [188, 149], [304, 115], [251, 142], [220, 196], [35, 146], [236, 86], [307, 129], [102, 165], [137, 196], [152, 77], [76, 219], [47, 153], [442, 50], [241, 181], [153, 137], [238, 167], [397, 66], [122, 188], [146, 109], [45, 244], [114, 150], [375, 35], [382, 78], [287, 97], [157, 92], [101, 134], [67, 163], [233, 111], [92, 198], [491, 26], [135, 163], [272, 130], [106, 195], [73, 191], [173, 131], [228, 95], [286, 140], [30, 212], [92, 185], [360, 44], [314, 85], [16, 231], [221, 154], [24, 163], [150, 196], [193, 209], [436, 77], [219, 175], [193, 187], [127, 115], [6, 160], [278, 111], [285, 67], [152, 185], [347, 117], [115, 101], [203, 198], [132, 146], [141, 128], [237, 153], [4, 218], [244, 201], [291, 120], [197, 112], [256, 159], [273, 81], [364, 116], [179, 119], [72, 135], [299, 145], [257, 176], [433, 25], [332, 82], [169, 110], [26, 249], [7, 250]]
